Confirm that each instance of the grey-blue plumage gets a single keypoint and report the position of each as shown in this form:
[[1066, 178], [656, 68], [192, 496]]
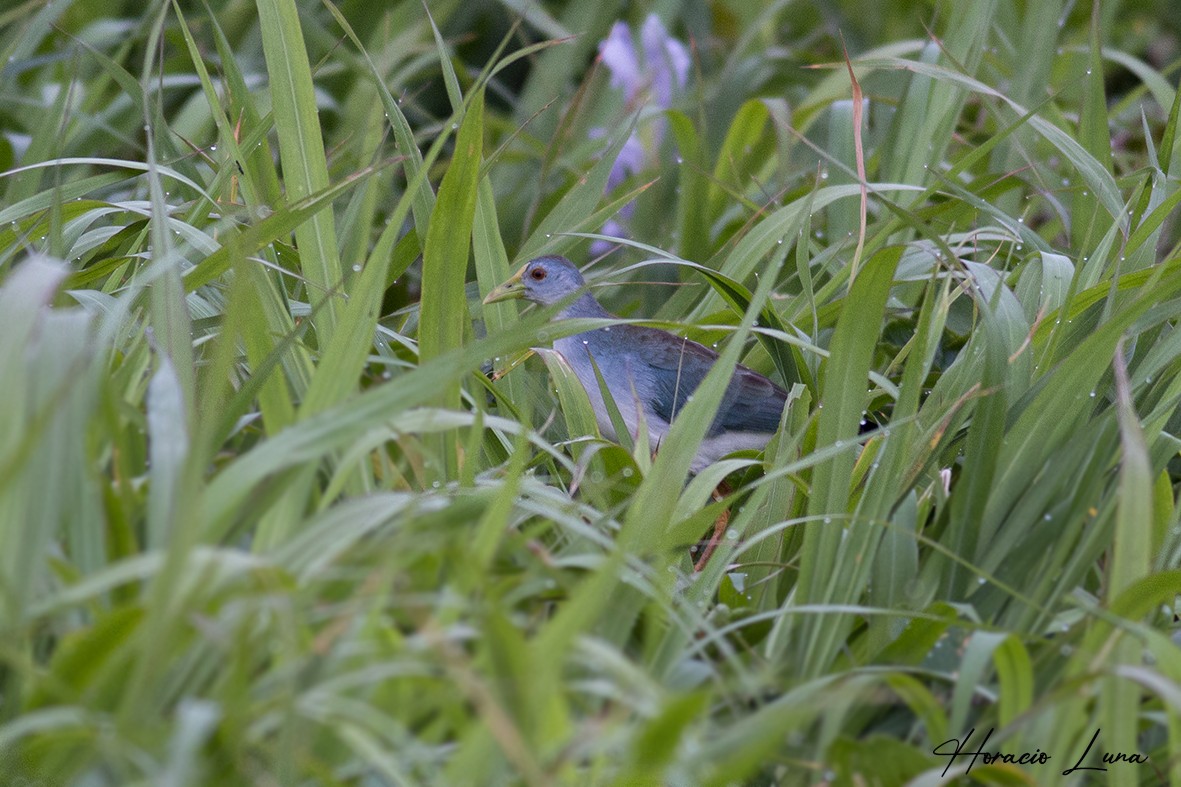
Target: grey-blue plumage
[[647, 370]]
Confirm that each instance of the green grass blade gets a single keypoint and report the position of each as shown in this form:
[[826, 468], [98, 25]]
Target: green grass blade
[[301, 150]]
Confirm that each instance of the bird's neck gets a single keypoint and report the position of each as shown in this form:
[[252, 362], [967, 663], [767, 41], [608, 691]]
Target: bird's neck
[[584, 306]]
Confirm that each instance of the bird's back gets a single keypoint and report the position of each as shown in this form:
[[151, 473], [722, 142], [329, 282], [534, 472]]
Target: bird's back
[[662, 372]]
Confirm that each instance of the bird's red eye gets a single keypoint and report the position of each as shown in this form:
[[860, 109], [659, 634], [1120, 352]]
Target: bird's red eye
[[537, 274]]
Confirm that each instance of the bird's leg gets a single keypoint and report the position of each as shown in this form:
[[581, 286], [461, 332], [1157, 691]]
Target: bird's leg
[[720, 525]]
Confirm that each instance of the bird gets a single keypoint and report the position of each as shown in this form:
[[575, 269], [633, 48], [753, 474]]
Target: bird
[[647, 371]]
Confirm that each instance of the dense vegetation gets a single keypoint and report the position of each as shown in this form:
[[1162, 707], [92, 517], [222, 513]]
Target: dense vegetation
[[281, 503]]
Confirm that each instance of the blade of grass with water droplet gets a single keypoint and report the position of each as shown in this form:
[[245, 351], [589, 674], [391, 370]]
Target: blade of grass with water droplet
[[444, 312], [843, 398], [301, 151]]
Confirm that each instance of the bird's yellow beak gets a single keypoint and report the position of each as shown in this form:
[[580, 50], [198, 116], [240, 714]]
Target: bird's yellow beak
[[513, 288]]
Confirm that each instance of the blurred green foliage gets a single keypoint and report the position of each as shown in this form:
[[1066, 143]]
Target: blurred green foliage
[[265, 521]]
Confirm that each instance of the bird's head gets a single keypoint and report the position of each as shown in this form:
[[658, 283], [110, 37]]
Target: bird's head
[[545, 280]]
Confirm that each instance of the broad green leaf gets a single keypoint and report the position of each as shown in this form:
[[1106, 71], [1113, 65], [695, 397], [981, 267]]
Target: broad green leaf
[[445, 255]]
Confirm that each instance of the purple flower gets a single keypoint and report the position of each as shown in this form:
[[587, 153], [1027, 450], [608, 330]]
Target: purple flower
[[652, 72], [659, 68]]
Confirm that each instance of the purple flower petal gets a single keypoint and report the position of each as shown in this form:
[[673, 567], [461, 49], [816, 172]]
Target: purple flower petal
[[618, 53], [629, 161], [612, 227], [665, 60]]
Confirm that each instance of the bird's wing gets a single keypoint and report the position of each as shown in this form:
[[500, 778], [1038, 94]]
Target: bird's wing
[[752, 403]]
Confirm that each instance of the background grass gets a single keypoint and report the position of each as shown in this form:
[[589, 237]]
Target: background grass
[[265, 521]]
